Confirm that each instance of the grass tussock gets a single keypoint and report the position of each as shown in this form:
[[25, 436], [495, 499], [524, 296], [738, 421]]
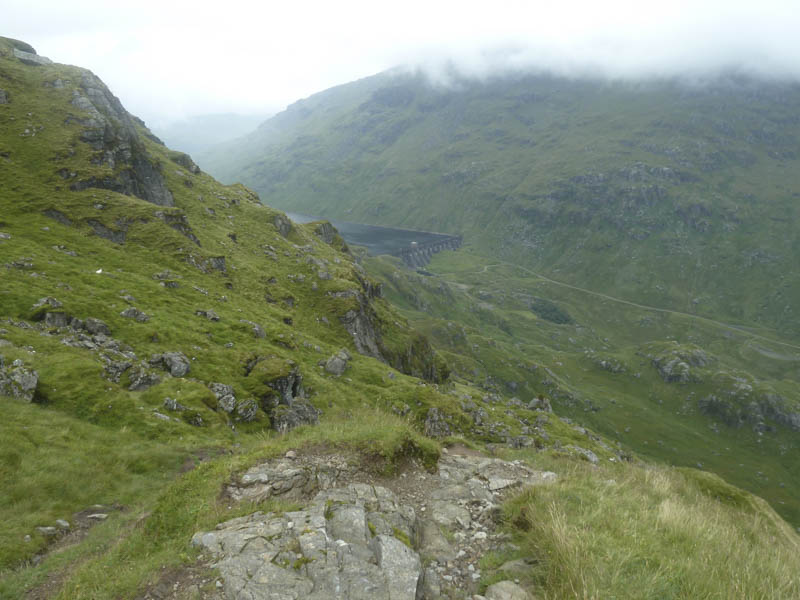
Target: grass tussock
[[651, 532]]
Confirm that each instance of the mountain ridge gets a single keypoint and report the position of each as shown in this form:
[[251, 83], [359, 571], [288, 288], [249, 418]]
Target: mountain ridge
[[662, 175]]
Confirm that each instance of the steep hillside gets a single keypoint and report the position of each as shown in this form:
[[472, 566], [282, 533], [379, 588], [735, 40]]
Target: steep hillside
[[202, 399], [672, 194]]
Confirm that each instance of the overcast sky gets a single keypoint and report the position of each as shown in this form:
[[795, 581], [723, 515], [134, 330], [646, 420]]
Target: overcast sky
[[175, 58]]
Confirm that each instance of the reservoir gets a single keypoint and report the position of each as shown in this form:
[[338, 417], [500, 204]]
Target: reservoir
[[387, 240]]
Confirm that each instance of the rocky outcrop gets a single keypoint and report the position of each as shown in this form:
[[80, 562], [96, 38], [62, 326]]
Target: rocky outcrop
[[113, 134], [435, 424], [180, 223], [344, 545], [675, 365], [416, 357], [31, 58], [134, 313], [337, 363], [18, 381], [283, 224], [176, 363], [356, 539]]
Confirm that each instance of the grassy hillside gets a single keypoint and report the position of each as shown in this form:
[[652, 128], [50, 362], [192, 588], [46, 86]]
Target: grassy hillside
[[677, 389], [160, 333], [672, 194]]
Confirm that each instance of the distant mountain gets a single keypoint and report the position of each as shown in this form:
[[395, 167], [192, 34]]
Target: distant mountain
[[196, 135], [673, 194]]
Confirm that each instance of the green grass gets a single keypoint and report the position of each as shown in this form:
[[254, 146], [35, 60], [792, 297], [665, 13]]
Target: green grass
[[478, 312], [651, 532]]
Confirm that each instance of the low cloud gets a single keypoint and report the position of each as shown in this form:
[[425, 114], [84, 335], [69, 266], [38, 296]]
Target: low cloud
[[178, 59]]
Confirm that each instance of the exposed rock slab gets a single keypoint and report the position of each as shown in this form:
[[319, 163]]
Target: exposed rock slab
[[304, 554], [357, 539]]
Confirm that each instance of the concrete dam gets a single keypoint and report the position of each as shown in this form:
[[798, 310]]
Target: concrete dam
[[415, 248]]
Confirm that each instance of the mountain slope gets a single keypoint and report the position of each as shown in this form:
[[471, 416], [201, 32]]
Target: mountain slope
[[163, 335], [672, 194]]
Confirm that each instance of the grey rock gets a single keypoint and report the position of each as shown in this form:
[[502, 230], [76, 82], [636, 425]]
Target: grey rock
[[449, 515], [326, 232], [180, 223], [47, 301], [97, 516], [300, 412], [246, 410], [347, 541], [226, 400], [31, 59], [62, 524], [57, 319], [134, 313], [258, 331], [173, 405], [362, 330], [433, 542], [400, 564], [285, 478], [112, 133], [435, 424], [57, 215], [300, 554], [337, 363], [506, 590], [18, 381], [117, 236], [283, 225], [540, 403], [176, 363], [114, 369], [142, 379], [48, 531], [4, 99], [96, 327], [587, 454], [208, 314]]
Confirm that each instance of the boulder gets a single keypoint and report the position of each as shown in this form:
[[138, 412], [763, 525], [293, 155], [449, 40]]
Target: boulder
[[18, 381], [337, 363], [506, 590], [31, 59], [141, 379], [300, 412], [96, 327], [282, 224], [246, 410], [208, 314], [176, 363], [258, 331], [226, 400], [134, 313]]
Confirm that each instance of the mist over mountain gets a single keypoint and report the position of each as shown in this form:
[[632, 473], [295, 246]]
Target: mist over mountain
[[196, 135]]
